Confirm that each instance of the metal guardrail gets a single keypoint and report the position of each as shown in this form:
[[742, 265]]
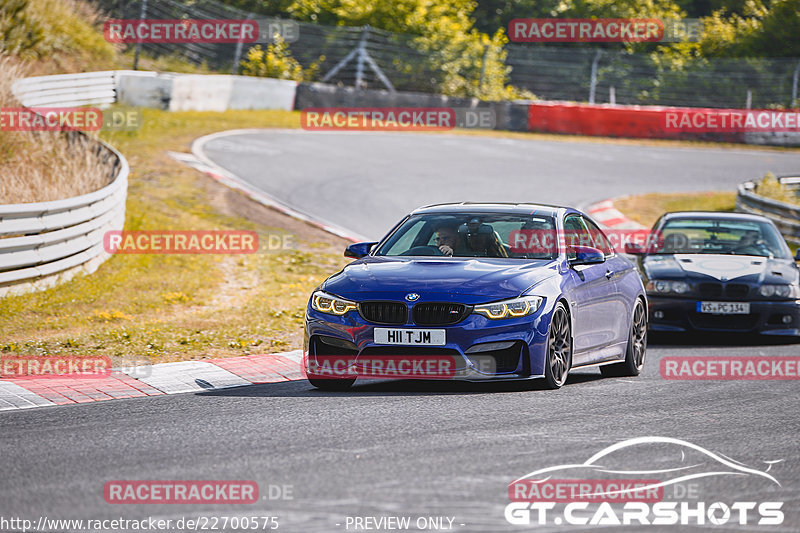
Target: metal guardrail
[[46, 238], [785, 216]]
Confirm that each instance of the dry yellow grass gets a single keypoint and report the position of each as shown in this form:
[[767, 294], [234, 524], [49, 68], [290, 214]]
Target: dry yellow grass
[[42, 166], [140, 309], [770, 187], [646, 208]]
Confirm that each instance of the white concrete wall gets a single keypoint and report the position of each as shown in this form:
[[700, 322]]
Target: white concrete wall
[[194, 92], [144, 91], [262, 93], [785, 138]]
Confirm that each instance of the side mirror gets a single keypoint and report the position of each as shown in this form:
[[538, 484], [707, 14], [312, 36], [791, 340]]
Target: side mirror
[[359, 249], [797, 255], [586, 255], [634, 249]]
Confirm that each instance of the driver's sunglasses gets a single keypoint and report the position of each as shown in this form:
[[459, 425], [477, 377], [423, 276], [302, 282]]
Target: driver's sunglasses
[[444, 238]]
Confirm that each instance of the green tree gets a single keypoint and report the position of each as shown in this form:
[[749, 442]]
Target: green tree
[[275, 62], [454, 51]]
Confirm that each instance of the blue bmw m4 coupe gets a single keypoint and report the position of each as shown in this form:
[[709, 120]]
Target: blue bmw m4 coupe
[[475, 292]]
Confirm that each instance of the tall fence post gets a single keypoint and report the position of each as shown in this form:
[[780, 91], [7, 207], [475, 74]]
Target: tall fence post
[[484, 59], [593, 82], [794, 85], [361, 58], [237, 56], [142, 15], [361, 55]]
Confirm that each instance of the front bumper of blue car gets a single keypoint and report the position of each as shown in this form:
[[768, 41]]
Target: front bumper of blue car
[[475, 349]]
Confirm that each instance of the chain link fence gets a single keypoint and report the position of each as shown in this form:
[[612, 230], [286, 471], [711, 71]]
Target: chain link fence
[[371, 58]]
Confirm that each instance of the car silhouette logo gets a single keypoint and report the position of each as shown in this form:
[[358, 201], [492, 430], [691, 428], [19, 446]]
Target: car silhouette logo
[[412, 296], [704, 463]]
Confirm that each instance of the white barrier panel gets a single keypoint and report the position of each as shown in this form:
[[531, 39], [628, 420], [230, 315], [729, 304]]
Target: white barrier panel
[[190, 92], [43, 241], [40, 240], [144, 89], [262, 93], [64, 90], [200, 93]]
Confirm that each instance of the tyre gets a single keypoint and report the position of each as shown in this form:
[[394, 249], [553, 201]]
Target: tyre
[[559, 349], [332, 384], [637, 346]]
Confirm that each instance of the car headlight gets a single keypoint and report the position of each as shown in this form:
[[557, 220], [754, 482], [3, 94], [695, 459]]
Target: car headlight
[[514, 308], [781, 291], [662, 286], [328, 303]]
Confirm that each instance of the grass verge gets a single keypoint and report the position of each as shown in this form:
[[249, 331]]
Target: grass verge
[[42, 166], [156, 308], [646, 208]]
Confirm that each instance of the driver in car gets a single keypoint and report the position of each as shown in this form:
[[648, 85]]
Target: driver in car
[[751, 244], [447, 240]]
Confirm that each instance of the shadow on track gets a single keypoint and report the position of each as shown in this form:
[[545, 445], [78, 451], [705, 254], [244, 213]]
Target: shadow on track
[[695, 340], [302, 388]]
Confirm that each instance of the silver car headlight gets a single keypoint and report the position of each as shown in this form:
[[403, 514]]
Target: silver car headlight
[[513, 308], [781, 291], [333, 305], [662, 286]]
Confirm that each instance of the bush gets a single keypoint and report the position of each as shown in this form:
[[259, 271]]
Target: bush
[[276, 62], [37, 29], [770, 187]]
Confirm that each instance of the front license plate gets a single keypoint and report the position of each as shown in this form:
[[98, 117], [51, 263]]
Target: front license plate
[[410, 337], [724, 308]]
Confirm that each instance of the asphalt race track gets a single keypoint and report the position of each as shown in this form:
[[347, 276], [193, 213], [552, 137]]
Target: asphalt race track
[[366, 182], [422, 449]]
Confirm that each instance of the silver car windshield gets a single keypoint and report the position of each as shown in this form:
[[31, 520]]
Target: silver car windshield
[[720, 236]]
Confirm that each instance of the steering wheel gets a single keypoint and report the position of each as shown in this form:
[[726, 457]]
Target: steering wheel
[[427, 250]]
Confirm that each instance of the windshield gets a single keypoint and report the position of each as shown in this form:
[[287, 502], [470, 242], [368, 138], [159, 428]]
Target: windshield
[[474, 235], [720, 236]]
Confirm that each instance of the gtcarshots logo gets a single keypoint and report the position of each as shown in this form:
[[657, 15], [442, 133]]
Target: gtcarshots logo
[[642, 481]]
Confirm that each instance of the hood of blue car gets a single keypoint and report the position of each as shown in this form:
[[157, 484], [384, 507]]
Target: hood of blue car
[[465, 280]]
